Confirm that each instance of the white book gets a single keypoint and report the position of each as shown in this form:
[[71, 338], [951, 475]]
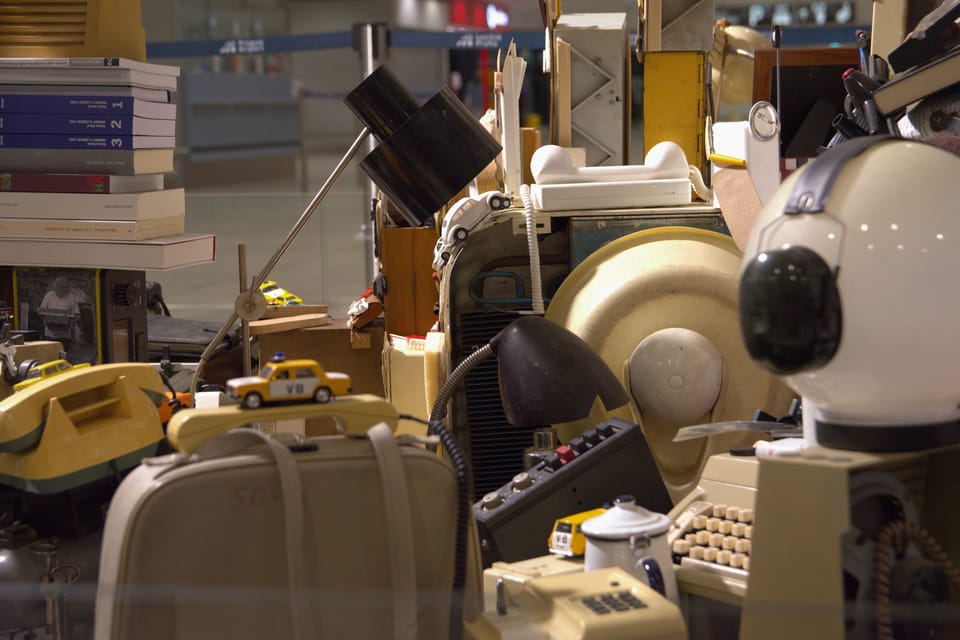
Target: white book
[[92, 229], [93, 206], [88, 71], [158, 254], [90, 62]]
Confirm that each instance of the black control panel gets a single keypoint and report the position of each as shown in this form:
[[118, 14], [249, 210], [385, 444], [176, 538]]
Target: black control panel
[[611, 459]]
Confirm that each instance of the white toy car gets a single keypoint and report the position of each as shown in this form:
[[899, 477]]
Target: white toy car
[[465, 216]]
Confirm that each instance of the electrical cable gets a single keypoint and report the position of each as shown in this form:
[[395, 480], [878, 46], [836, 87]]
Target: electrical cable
[[533, 248], [699, 186], [893, 536], [464, 484]]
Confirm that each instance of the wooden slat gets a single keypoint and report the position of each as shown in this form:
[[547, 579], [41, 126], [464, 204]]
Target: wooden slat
[[277, 325]]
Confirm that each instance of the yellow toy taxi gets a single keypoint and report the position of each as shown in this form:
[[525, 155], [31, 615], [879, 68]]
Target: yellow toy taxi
[[46, 370], [277, 295], [567, 539], [283, 380]]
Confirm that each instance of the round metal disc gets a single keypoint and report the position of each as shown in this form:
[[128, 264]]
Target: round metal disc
[[250, 305]]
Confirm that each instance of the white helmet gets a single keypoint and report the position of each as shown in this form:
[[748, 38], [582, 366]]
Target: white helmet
[[849, 289]]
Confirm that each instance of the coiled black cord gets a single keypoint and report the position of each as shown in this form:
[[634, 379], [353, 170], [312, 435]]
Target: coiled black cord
[[464, 484]]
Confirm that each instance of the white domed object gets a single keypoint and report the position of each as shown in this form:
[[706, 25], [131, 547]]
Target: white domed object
[[888, 238], [675, 375]]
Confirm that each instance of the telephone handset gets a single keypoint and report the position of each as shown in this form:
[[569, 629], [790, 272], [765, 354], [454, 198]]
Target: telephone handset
[[551, 164], [663, 180], [605, 603], [189, 428]]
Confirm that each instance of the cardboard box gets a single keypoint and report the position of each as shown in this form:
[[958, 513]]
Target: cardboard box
[[337, 348], [403, 380]]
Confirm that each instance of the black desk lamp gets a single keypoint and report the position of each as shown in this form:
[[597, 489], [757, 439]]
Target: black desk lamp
[[547, 375], [426, 155]]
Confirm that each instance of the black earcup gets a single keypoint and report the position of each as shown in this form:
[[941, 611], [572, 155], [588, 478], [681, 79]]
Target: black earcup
[[790, 311]]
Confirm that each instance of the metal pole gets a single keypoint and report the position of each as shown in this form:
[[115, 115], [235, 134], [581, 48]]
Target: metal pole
[[371, 41], [244, 323]]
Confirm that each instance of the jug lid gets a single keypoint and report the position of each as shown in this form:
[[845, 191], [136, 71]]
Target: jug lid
[[624, 519]]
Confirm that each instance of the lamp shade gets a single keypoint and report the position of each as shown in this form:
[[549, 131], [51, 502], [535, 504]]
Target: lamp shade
[[550, 375], [426, 153], [431, 157], [382, 103]]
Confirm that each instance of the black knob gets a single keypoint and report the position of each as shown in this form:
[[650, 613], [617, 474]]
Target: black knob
[[126, 294]]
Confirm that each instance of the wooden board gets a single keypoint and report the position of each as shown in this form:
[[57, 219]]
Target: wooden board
[[277, 325], [285, 311]]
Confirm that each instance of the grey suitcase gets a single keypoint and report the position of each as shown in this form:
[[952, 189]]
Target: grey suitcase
[[246, 539]]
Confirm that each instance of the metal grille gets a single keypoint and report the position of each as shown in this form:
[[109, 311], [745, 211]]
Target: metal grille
[[496, 447], [43, 22]]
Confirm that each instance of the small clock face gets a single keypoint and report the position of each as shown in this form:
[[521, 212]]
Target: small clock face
[[764, 120]]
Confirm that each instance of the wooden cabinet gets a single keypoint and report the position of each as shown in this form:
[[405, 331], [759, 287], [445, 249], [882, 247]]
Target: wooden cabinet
[[406, 258]]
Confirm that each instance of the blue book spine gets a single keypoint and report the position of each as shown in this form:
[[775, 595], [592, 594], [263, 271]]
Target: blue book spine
[[65, 123], [38, 103], [65, 141]]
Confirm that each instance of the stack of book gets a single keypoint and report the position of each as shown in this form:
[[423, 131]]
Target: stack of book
[[84, 147]]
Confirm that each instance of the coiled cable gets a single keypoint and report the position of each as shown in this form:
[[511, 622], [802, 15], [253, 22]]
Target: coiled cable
[[892, 537]]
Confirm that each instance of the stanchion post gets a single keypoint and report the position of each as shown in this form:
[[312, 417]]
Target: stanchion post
[[372, 43]]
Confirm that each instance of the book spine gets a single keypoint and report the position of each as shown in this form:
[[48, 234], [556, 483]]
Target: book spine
[[109, 161], [91, 229], [39, 103], [65, 141], [110, 254], [61, 63], [93, 206], [66, 124], [55, 183]]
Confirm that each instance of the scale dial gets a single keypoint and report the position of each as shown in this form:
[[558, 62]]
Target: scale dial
[[764, 120]]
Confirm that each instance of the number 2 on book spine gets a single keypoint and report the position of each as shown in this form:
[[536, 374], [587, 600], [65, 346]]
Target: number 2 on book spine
[[116, 124]]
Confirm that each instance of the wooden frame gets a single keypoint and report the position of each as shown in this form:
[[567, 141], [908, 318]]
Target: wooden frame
[[817, 67], [765, 62]]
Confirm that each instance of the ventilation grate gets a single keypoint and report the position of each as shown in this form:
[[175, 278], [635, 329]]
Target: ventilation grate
[[496, 447]]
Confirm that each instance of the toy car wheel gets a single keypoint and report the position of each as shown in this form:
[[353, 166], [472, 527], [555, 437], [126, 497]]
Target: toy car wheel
[[498, 204], [322, 395], [460, 234], [252, 400]]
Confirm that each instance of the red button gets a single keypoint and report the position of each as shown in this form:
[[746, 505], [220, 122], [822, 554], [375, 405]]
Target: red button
[[566, 453]]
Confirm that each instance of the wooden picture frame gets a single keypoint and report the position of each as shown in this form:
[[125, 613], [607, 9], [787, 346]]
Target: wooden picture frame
[[811, 88]]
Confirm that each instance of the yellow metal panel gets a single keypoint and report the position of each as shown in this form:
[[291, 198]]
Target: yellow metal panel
[[673, 101]]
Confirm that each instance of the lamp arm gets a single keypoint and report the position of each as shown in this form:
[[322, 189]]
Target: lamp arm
[[243, 300]]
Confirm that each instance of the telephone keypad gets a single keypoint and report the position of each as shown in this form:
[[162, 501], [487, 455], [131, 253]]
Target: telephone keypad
[[604, 603]]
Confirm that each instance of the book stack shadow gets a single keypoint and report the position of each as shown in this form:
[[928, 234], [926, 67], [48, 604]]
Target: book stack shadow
[[85, 145]]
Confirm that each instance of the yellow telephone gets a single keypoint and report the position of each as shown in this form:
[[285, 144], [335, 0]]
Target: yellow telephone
[[190, 428], [79, 426]]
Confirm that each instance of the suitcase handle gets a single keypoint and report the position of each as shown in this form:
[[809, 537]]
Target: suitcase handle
[[189, 428]]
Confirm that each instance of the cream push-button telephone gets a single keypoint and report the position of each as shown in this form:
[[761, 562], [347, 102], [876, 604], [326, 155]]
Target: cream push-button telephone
[[606, 604]]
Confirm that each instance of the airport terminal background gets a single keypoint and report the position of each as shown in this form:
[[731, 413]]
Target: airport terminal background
[[255, 199]]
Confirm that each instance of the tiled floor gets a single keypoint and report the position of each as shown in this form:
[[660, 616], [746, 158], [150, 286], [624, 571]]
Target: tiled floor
[[328, 263]]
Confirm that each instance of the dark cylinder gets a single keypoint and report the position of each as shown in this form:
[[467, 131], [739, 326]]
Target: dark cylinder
[[436, 153], [382, 102]]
